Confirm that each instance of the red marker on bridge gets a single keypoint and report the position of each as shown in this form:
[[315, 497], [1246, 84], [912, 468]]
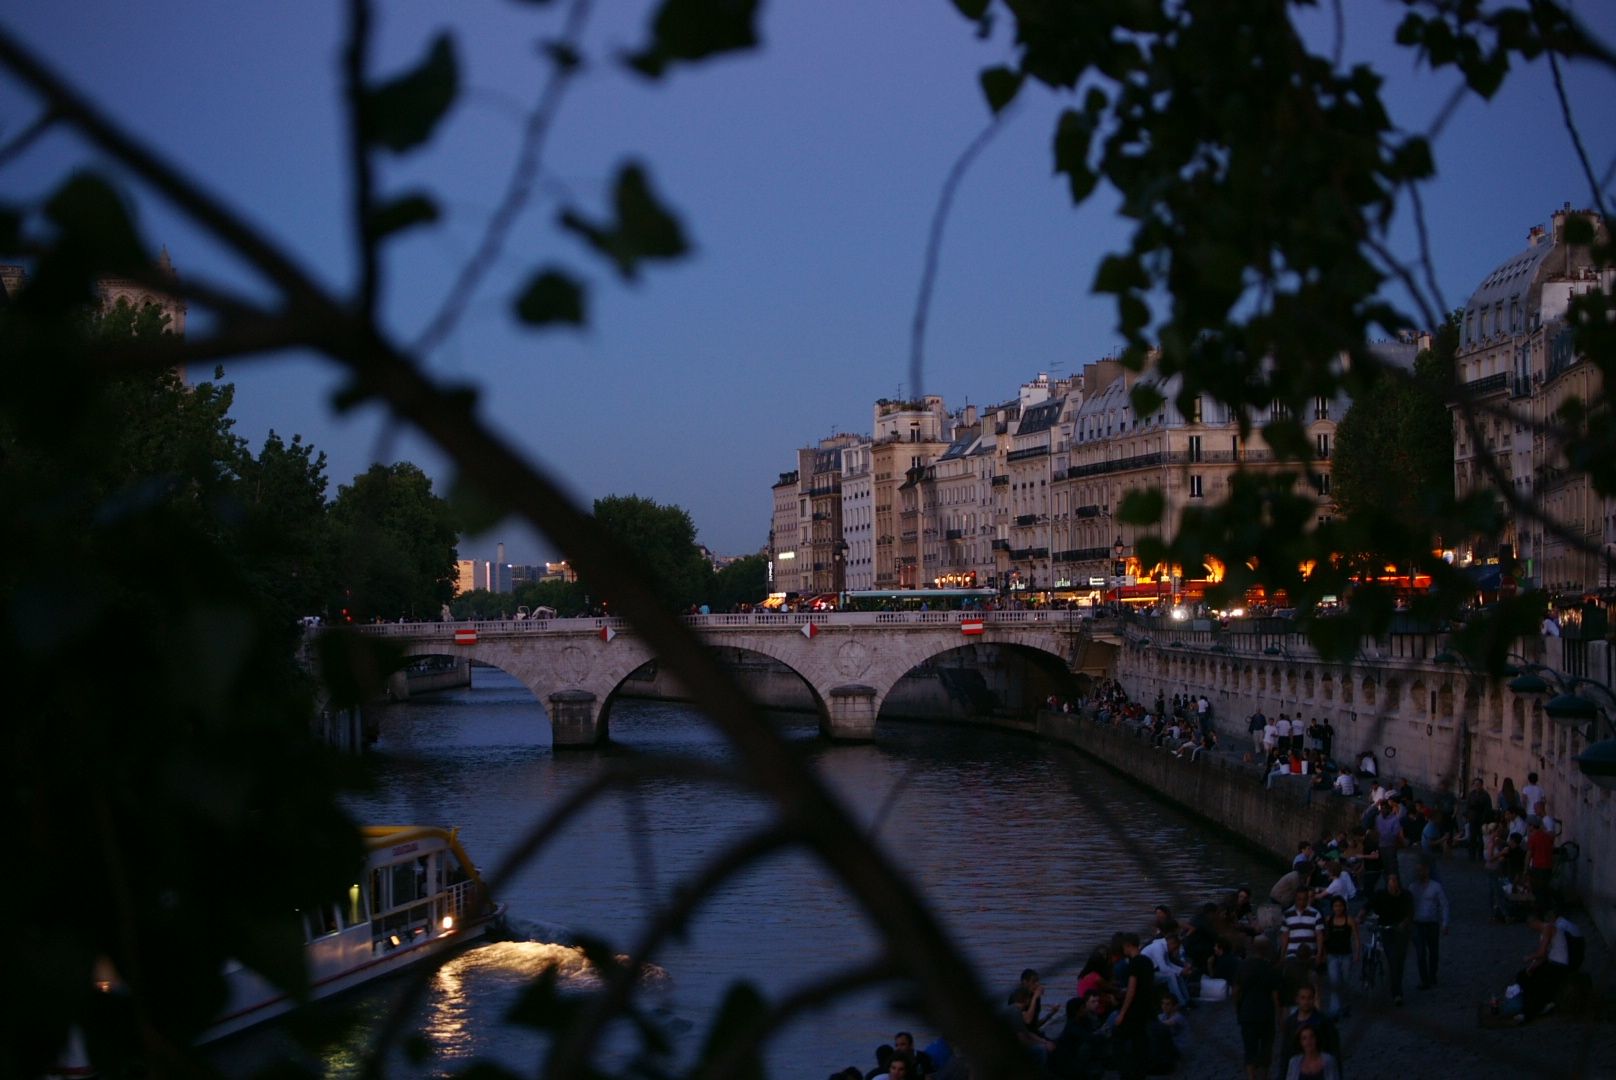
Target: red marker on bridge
[[971, 627], [607, 633], [809, 630], [465, 637]]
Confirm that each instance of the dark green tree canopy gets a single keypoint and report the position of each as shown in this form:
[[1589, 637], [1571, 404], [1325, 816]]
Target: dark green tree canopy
[[396, 544], [744, 581], [1394, 448], [662, 540]]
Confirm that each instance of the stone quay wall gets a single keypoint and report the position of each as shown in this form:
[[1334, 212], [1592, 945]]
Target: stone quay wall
[[1432, 722], [1216, 789]]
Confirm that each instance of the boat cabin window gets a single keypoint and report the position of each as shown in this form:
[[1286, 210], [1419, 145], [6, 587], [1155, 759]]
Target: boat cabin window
[[320, 922], [409, 881]]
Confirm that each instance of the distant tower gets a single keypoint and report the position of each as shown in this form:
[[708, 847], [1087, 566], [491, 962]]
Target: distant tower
[[138, 294]]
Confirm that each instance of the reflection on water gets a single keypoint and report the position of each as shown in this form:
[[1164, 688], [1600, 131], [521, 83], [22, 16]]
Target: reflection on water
[[1028, 853], [488, 980]]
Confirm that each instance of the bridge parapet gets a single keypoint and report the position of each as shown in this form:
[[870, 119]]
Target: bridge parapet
[[898, 620], [850, 660]]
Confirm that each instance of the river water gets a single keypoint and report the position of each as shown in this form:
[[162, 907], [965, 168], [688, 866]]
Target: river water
[[1031, 855]]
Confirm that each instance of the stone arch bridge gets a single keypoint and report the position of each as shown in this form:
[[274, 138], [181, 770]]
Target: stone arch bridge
[[850, 661]]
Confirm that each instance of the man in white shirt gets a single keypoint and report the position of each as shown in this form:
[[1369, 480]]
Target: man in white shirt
[[1171, 967], [1345, 784], [1282, 732], [1341, 883], [1531, 793]]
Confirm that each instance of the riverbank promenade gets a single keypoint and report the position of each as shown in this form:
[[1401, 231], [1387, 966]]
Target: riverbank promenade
[[1437, 1033]]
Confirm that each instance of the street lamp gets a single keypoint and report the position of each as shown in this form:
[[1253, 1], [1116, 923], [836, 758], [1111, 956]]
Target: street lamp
[[1598, 760]]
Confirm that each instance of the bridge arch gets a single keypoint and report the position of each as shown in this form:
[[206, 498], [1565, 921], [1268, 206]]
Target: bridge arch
[[849, 662]]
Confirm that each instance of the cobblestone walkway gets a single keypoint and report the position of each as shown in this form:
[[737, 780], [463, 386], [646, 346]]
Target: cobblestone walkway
[[1436, 1034]]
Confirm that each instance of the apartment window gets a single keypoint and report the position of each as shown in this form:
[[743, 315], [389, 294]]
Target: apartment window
[[1322, 443], [1195, 448], [1321, 408], [1195, 486], [1321, 483], [1195, 411]]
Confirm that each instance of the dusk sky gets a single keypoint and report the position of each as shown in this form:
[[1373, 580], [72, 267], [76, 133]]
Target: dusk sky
[[805, 173]]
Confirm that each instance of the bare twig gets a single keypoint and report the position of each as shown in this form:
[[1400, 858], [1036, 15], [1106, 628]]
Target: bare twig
[[539, 834], [571, 1050], [934, 245], [20, 142], [355, 63], [517, 189], [206, 209], [1576, 136], [1426, 262]]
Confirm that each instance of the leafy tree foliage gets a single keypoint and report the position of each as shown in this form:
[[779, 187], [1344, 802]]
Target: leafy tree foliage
[[396, 544], [287, 541], [1394, 448], [744, 581], [566, 597], [1262, 177], [662, 540], [157, 739]]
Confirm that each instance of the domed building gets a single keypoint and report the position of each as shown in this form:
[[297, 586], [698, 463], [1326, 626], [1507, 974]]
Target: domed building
[[1517, 367]]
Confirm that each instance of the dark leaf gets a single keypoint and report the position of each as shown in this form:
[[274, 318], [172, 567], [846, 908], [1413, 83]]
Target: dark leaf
[[1146, 399], [95, 223], [973, 9], [692, 30], [551, 297], [1142, 507], [741, 1018], [476, 511], [402, 213], [1073, 136], [563, 55], [999, 86], [402, 114], [643, 229], [349, 395], [1578, 229], [1287, 439], [355, 668]]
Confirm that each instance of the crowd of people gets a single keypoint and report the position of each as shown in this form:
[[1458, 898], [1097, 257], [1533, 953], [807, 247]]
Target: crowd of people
[[1338, 924]]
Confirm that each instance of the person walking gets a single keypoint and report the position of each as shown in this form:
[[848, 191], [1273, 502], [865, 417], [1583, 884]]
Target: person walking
[[1341, 948], [1478, 814], [1393, 908], [1430, 922], [1257, 1007]]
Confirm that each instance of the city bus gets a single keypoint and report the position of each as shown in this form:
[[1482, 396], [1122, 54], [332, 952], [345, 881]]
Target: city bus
[[915, 599]]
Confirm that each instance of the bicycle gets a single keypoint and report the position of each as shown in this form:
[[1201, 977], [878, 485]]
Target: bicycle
[[1372, 968]]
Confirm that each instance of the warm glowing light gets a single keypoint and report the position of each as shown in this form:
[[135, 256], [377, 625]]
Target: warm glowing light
[[1214, 569], [448, 922], [1181, 613], [394, 939]]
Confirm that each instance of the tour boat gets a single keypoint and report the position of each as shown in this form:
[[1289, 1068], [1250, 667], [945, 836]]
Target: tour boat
[[419, 895]]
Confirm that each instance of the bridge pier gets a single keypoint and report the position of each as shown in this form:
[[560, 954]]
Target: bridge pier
[[575, 721], [850, 714]]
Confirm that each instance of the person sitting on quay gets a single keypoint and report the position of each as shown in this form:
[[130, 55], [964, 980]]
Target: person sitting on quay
[[1368, 767], [1345, 784], [1172, 969], [1560, 951], [1083, 1048]]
